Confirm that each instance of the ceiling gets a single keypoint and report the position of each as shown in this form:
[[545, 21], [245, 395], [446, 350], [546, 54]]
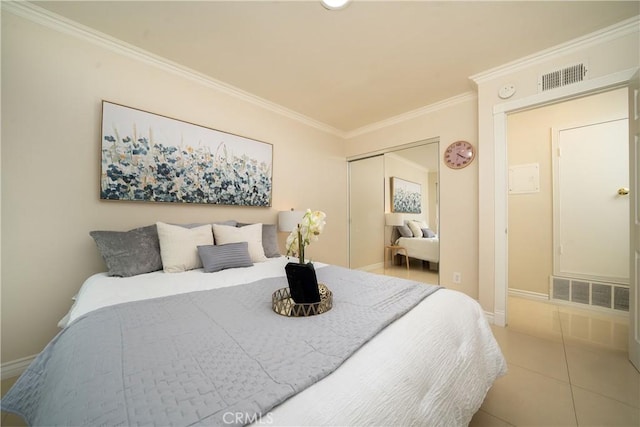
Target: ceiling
[[349, 68]]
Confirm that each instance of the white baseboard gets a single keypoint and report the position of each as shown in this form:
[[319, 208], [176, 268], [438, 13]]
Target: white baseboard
[[528, 294], [489, 317], [15, 367]]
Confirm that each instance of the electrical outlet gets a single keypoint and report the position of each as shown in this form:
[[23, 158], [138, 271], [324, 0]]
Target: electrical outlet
[[457, 277]]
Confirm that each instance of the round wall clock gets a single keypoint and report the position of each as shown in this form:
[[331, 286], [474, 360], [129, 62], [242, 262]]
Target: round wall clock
[[459, 154]]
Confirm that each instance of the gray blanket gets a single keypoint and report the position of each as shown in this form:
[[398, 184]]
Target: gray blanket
[[219, 357]]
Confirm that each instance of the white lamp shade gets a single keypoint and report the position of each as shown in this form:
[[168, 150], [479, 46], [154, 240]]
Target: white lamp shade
[[335, 4], [393, 218], [288, 220]]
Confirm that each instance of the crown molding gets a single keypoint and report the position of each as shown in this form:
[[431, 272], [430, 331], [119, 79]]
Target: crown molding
[[449, 102], [64, 25], [616, 31]]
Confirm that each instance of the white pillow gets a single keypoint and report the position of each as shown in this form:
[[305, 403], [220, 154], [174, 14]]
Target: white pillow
[[414, 226], [252, 234], [179, 246]]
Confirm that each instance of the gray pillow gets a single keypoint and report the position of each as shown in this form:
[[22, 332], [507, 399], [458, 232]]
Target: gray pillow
[[220, 257], [404, 231], [129, 253], [269, 239], [426, 232]]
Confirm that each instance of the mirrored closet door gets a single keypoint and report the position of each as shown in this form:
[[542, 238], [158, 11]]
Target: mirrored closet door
[[371, 200]]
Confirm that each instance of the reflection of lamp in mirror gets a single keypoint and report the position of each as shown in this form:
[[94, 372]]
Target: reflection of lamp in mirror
[[393, 219], [289, 220]]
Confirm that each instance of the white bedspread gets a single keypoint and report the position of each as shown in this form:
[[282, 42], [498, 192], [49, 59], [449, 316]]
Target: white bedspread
[[101, 290], [427, 249], [431, 367]]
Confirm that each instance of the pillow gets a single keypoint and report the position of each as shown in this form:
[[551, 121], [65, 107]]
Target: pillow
[[179, 246], [252, 234], [129, 253], [404, 231], [426, 232], [269, 240], [219, 257], [415, 228], [200, 224]]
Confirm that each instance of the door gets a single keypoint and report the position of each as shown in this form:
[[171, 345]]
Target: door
[[591, 218], [366, 212], [634, 223]]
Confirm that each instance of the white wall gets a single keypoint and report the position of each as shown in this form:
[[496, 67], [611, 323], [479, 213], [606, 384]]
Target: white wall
[[52, 87]]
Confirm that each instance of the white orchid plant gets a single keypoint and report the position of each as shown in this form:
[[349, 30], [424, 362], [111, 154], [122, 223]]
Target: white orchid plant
[[306, 232]]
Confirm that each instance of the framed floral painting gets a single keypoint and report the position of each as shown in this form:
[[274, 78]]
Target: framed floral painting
[[406, 196], [149, 157]]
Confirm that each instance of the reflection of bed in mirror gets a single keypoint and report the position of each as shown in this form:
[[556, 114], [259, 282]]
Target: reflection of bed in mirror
[[422, 248]]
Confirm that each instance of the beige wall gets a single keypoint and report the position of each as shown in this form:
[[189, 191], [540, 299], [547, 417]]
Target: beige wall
[[617, 52], [52, 87], [366, 214], [458, 188], [531, 215]]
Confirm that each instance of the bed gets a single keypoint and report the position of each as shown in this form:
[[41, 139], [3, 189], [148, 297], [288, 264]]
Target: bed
[[419, 241], [431, 363], [423, 248]]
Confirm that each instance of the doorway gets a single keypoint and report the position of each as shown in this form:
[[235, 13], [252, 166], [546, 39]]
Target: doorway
[[532, 142]]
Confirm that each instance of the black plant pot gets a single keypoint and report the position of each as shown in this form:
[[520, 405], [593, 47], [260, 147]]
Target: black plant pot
[[303, 283]]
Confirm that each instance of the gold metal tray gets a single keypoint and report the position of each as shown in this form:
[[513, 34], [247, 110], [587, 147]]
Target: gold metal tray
[[283, 304]]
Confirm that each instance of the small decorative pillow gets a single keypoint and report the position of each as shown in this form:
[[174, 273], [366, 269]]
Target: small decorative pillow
[[129, 253], [415, 228], [404, 231], [179, 246], [220, 257], [252, 234], [426, 232], [269, 239]]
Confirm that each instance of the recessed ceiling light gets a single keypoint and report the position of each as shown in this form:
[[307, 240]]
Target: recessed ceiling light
[[335, 4]]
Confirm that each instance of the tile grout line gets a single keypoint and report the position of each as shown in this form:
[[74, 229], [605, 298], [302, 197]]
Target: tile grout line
[[497, 417], [566, 362]]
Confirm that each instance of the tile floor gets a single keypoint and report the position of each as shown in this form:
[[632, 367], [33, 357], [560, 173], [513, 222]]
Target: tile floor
[[567, 367]]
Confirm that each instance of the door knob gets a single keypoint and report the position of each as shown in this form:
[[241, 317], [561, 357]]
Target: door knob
[[623, 191]]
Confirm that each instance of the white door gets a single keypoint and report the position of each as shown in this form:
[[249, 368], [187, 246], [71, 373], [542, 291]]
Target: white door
[[591, 220], [366, 212], [634, 223]]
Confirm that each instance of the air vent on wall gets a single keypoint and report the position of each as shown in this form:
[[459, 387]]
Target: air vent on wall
[[562, 77], [596, 294]]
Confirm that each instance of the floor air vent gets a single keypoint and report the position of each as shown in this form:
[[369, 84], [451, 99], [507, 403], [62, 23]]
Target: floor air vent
[[595, 294], [562, 77]]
